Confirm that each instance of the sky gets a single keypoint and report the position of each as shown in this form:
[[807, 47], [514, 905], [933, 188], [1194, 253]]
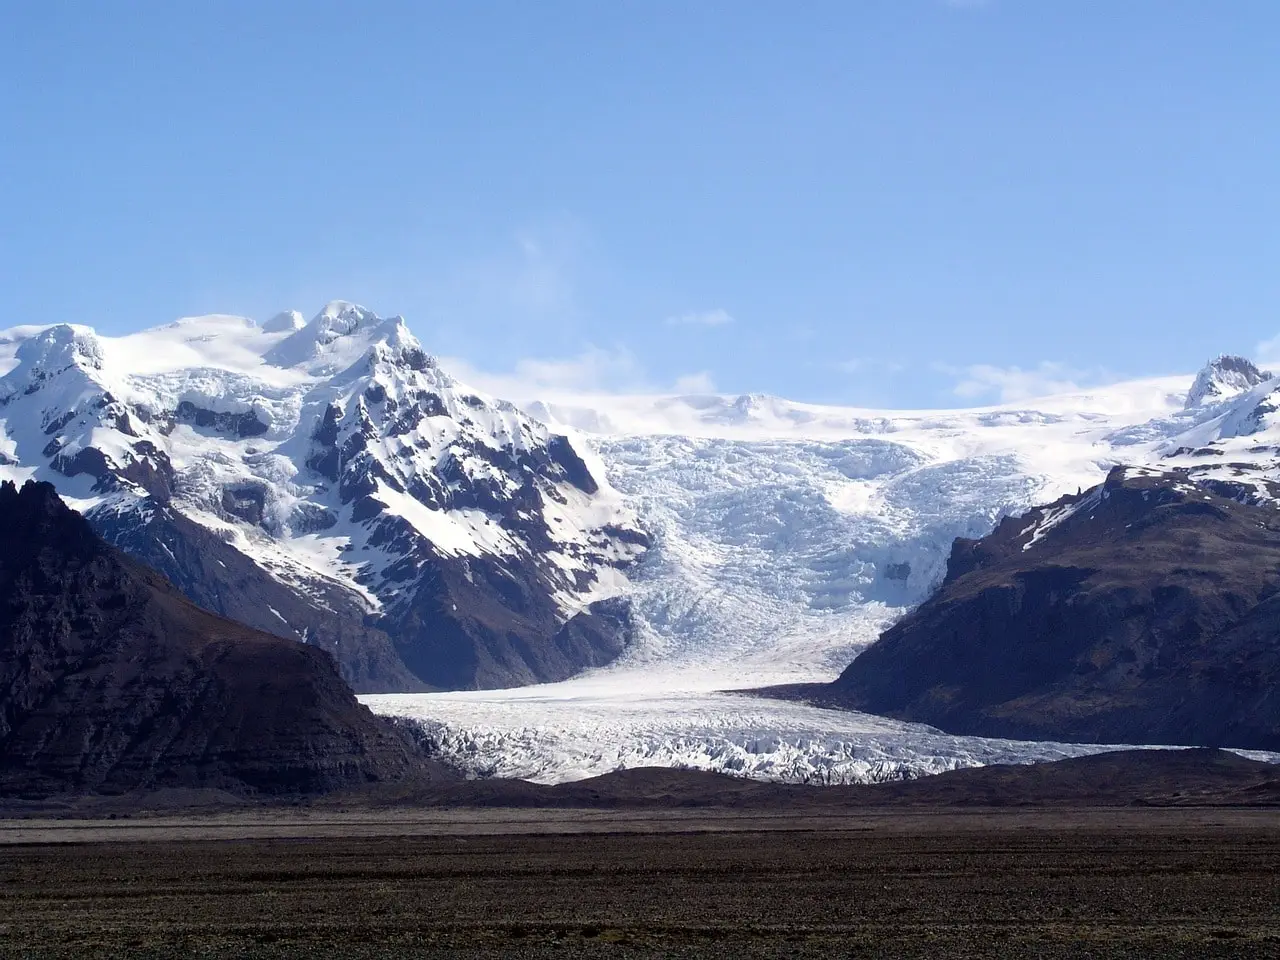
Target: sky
[[905, 203]]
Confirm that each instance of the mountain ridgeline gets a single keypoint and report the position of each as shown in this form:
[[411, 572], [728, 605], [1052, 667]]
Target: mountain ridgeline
[[328, 482]]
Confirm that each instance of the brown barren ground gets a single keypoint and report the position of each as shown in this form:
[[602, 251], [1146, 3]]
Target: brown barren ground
[[533, 883]]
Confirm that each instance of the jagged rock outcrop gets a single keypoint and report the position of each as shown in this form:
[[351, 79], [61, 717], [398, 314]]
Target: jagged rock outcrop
[[1146, 610], [328, 482], [111, 680], [1222, 378]]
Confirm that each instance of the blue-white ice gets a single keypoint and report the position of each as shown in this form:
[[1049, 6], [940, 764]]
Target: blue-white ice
[[779, 554], [786, 535]]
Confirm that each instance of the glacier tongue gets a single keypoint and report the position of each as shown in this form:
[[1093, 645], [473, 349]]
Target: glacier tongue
[[571, 731], [784, 538]]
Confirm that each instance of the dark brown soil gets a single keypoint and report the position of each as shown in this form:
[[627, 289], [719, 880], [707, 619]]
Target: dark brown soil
[[1119, 883]]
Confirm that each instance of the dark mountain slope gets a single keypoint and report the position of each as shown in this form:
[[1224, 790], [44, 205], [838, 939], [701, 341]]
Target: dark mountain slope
[[111, 680], [214, 575], [330, 482], [1145, 611]]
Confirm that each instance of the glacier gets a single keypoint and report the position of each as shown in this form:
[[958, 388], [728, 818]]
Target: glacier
[[785, 538], [757, 541]]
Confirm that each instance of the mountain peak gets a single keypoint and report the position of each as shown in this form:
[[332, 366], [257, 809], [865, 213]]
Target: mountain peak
[[60, 346], [344, 310], [53, 351], [1224, 377], [341, 319], [335, 338], [396, 345]]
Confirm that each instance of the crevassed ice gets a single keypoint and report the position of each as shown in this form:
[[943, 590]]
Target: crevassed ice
[[782, 546]]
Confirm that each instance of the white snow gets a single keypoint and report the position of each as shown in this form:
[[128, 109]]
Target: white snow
[[585, 728], [1056, 516], [786, 536], [452, 533], [69, 389]]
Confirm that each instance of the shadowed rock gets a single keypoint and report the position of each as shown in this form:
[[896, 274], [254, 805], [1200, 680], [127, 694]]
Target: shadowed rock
[[110, 680], [1146, 610]]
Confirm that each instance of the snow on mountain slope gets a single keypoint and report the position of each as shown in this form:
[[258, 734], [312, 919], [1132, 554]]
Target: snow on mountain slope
[[335, 476], [342, 461], [784, 539], [1223, 378]]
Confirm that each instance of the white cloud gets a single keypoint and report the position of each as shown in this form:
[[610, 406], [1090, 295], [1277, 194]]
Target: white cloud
[[1012, 384], [1267, 353], [695, 383], [593, 371], [718, 317]]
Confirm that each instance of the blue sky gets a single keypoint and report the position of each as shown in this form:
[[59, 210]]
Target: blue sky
[[892, 202]]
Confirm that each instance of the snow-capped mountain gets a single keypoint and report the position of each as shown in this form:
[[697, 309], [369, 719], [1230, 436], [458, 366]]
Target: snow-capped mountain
[[1223, 378], [787, 536], [329, 481]]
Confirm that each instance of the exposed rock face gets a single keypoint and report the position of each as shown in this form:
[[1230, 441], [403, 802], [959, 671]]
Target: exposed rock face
[[1223, 378], [110, 680], [218, 577], [1146, 610], [329, 482]]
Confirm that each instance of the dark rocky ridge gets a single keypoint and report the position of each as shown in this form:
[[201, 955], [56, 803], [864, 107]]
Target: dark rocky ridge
[[111, 681], [1148, 613], [216, 576]]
